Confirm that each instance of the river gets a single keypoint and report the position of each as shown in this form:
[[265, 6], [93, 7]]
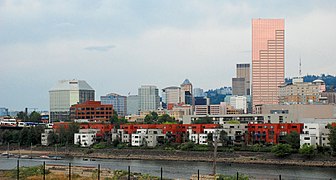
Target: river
[[183, 170]]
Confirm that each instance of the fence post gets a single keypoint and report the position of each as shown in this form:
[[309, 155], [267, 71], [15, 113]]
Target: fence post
[[280, 177], [237, 176], [44, 170], [69, 171], [197, 174], [18, 170], [98, 171], [129, 172], [161, 173]]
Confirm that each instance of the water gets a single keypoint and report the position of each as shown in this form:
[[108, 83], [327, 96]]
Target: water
[[182, 169]]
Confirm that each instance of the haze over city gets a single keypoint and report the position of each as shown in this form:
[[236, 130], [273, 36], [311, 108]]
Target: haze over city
[[116, 46]]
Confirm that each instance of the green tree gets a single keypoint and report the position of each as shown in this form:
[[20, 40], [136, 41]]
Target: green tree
[[34, 117], [23, 116], [151, 118], [332, 138], [73, 128], [293, 139], [210, 138], [114, 117], [203, 120], [281, 150], [224, 138], [165, 118], [307, 151], [24, 136]]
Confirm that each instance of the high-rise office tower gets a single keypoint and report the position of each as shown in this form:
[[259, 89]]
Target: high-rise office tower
[[149, 98], [238, 86], [133, 105], [241, 83], [268, 53], [187, 94], [171, 95], [66, 93], [119, 102]]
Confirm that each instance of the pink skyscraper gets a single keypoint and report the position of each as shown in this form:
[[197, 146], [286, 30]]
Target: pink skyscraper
[[268, 52]]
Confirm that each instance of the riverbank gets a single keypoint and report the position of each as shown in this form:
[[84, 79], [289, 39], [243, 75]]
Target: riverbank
[[239, 157]]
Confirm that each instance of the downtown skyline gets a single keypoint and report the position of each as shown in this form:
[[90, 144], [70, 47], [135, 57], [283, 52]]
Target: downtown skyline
[[117, 46]]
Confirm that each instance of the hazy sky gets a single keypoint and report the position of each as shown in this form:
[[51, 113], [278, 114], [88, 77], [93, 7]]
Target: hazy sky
[[118, 45]]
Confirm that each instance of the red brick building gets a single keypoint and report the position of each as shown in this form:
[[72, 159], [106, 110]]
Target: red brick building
[[91, 110], [103, 127], [271, 133]]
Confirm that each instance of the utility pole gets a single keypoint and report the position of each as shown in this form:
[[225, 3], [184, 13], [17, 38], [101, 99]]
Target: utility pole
[[215, 143]]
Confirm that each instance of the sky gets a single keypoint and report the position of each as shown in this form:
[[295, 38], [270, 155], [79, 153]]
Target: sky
[[119, 45]]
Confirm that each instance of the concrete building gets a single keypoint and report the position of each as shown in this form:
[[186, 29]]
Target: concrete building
[[243, 71], [147, 137], [299, 112], [91, 110], [213, 109], [268, 55], [315, 134], [171, 95], [241, 83], [330, 97], [46, 137], [238, 86], [133, 105], [299, 92], [149, 98], [236, 132], [239, 102], [119, 103], [242, 118], [66, 93], [85, 137]]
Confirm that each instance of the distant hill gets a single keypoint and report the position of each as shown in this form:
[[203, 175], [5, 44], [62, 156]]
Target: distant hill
[[330, 80]]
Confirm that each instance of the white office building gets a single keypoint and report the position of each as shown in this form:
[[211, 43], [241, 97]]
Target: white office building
[[149, 98], [171, 95], [239, 102], [66, 93]]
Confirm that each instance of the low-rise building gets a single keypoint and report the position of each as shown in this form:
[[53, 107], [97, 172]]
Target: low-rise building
[[315, 134], [147, 137], [236, 132], [85, 137], [271, 133], [46, 137], [91, 110]]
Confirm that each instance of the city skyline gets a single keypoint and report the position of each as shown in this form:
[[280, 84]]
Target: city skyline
[[118, 46]]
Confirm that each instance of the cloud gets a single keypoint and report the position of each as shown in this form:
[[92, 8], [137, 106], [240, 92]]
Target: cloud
[[100, 48], [158, 42]]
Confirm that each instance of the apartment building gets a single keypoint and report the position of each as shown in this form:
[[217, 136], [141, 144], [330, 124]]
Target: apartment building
[[46, 137], [315, 134], [271, 133], [85, 137]]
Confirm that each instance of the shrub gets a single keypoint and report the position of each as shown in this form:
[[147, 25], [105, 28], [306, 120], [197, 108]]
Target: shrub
[[307, 151], [282, 150], [187, 146], [100, 146]]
